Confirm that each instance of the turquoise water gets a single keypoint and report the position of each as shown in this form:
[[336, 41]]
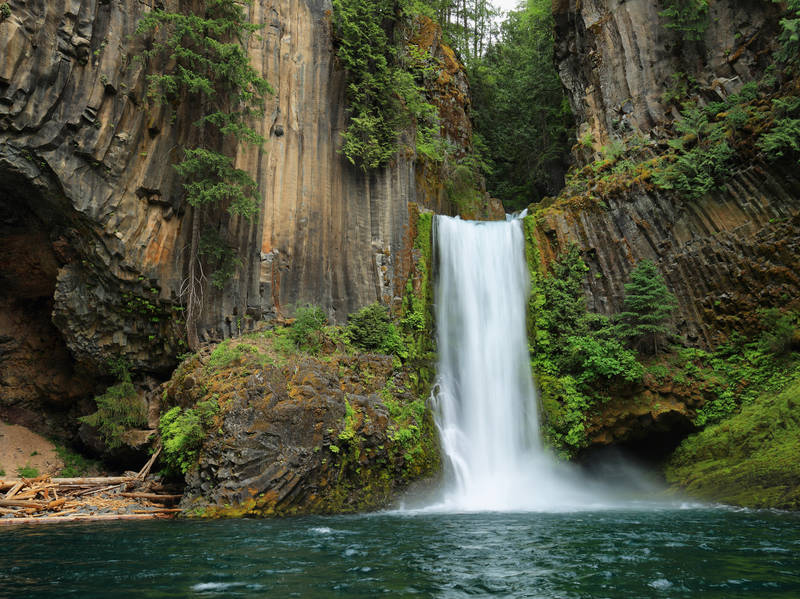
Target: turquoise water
[[708, 553]]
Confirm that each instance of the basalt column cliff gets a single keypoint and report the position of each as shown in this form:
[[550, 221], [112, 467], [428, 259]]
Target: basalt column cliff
[[93, 229], [725, 254]]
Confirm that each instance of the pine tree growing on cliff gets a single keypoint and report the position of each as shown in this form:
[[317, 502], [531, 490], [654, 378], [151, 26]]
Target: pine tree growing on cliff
[[647, 306], [208, 69]]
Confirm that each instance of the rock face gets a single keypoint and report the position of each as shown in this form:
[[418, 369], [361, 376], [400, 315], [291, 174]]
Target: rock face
[[617, 59], [86, 177], [725, 255], [306, 436]]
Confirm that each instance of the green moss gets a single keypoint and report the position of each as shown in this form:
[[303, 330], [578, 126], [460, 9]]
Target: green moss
[[27, 472], [75, 465], [749, 459], [350, 422], [229, 351], [416, 322]]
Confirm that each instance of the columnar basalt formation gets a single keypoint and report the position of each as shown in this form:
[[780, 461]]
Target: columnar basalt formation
[[725, 255], [617, 58], [83, 156]]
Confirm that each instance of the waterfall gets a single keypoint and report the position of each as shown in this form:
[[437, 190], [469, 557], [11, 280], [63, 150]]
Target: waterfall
[[485, 398]]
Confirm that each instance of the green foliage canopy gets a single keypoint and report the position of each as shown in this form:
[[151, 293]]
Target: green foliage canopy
[[520, 110], [210, 66], [384, 91]]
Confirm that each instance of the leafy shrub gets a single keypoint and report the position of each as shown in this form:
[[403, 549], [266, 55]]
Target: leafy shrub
[[5, 11], [595, 358], [306, 329], [723, 406], [783, 139], [118, 409], [789, 38], [700, 156], [371, 329], [182, 433]]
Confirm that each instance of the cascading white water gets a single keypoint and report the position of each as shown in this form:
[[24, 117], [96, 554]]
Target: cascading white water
[[485, 398]]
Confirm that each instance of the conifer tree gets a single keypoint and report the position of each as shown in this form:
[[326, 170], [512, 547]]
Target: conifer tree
[[208, 66], [647, 306]]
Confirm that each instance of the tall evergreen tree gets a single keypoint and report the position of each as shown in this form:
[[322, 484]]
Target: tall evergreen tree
[[208, 66], [520, 109], [647, 306]]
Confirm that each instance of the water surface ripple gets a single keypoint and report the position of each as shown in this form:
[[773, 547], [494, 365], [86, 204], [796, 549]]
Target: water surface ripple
[[708, 553]]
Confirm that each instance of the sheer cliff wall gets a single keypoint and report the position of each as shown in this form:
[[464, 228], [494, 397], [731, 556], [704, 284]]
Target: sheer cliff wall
[[94, 233], [725, 255], [617, 58]]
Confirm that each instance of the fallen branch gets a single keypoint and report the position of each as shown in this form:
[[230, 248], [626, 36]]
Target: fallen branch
[[15, 489], [146, 468], [153, 497], [82, 518], [22, 503], [92, 481]]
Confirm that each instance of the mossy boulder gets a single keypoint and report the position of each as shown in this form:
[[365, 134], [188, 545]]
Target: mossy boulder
[[750, 459], [297, 434]]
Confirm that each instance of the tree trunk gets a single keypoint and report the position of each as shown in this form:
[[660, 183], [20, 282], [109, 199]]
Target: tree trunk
[[194, 302]]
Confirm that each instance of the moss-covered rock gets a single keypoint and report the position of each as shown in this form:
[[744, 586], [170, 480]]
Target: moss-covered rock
[[750, 459], [295, 434]]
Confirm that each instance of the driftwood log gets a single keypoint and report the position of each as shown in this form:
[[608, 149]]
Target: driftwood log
[[44, 499]]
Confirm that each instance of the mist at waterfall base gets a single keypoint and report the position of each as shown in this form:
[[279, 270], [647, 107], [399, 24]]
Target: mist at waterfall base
[[485, 399]]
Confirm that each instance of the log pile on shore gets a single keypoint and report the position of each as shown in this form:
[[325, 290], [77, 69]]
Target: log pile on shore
[[40, 500]]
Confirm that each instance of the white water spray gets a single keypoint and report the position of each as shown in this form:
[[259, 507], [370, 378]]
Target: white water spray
[[486, 405]]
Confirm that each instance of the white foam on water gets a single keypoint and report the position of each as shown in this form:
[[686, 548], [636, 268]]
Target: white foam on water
[[216, 586]]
